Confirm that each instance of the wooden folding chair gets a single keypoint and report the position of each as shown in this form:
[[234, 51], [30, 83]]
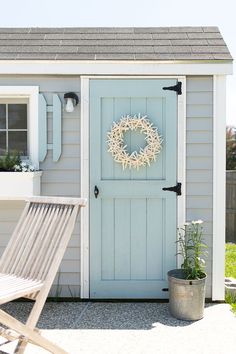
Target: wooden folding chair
[[30, 261]]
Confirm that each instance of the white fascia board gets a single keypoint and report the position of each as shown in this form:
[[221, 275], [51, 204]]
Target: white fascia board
[[73, 67]]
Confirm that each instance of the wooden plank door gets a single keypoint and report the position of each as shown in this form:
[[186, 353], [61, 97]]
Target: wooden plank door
[[132, 221]]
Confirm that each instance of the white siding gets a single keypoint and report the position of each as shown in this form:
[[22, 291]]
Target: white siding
[[199, 198]]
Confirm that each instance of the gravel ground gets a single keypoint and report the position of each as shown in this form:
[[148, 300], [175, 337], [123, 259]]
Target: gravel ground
[[129, 328]]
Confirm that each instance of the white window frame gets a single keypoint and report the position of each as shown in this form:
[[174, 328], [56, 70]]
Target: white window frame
[[31, 93]]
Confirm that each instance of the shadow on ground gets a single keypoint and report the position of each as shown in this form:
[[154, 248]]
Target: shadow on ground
[[99, 315]]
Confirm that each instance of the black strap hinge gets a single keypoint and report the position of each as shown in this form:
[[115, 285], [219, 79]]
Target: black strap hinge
[[176, 189], [177, 88]]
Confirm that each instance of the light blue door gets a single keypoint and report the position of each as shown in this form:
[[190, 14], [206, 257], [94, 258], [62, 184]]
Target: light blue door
[[132, 220]]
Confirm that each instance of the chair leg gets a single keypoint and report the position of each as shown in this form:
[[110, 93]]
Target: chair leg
[[22, 343], [30, 334], [32, 320], [21, 346]]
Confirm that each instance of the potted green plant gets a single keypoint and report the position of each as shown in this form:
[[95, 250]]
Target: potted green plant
[[187, 285]]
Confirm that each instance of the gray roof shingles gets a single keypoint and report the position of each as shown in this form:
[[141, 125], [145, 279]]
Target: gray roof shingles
[[88, 43]]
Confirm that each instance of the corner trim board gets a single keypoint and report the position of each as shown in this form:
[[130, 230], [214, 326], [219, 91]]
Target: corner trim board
[[219, 125]]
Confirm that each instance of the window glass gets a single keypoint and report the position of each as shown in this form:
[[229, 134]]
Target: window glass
[[13, 127], [2, 116], [17, 116], [2, 143], [17, 142]]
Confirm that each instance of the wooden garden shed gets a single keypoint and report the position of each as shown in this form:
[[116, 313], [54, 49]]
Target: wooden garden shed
[[173, 79]]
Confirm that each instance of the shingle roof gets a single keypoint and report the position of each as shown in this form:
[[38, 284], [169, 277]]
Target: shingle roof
[[156, 43]]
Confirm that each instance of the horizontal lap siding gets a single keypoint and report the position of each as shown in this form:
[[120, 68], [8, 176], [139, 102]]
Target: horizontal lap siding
[[199, 165], [60, 178]]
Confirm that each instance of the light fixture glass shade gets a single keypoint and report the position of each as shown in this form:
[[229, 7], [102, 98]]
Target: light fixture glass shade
[[69, 105]]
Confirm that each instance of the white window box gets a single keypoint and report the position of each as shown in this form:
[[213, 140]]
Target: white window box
[[19, 184]]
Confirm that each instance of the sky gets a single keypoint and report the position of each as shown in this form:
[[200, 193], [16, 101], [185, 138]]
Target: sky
[[129, 13]]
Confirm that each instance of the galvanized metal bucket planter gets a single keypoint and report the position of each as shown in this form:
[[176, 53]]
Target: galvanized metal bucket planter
[[186, 297]]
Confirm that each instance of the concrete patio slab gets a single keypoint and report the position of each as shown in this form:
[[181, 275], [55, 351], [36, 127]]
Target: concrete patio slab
[[129, 328]]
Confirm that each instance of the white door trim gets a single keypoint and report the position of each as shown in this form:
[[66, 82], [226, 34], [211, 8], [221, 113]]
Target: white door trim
[[181, 160], [84, 138], [84, 177]]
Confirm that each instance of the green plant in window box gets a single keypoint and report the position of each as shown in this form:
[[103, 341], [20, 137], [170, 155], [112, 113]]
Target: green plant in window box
[[13, 163], [9, 161]]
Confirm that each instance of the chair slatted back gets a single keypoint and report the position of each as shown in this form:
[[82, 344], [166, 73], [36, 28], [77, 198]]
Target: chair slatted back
[[40, 239]]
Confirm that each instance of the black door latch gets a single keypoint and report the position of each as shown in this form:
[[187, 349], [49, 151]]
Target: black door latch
[[96, 191], [176, 189]]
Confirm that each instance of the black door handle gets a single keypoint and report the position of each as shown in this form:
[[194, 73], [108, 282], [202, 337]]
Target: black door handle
[[96, 191]]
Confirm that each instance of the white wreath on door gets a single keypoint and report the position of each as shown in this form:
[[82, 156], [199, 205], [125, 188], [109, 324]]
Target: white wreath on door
[[137, 158]]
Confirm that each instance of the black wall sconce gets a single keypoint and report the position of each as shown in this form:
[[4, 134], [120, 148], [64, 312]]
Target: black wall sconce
[[71, 100]]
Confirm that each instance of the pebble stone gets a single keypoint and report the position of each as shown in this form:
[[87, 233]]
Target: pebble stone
[[129, 328]]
